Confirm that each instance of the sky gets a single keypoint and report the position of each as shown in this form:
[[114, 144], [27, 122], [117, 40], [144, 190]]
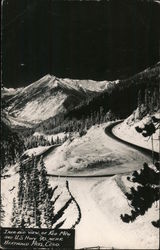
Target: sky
[[102, 40]]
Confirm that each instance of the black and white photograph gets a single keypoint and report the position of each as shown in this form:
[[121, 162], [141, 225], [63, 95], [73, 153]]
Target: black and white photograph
[[80, 124]]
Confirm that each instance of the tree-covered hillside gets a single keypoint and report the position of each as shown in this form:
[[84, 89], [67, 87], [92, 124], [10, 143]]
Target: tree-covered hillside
[[12, 146]]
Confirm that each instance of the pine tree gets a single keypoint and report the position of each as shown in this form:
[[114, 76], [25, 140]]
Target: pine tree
[[21, 186], [43, 181], [52, 142], [45, 203], [57, 141], [139, 103], [15, 214], [36, 192], [48, 212], [146, 99]]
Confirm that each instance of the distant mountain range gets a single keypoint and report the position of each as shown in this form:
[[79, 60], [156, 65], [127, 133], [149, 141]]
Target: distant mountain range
[[48, 97], [51, 96]]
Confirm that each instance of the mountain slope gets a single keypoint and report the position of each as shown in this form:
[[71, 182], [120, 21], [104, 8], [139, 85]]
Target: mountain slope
[[49, 97], [121, 98]]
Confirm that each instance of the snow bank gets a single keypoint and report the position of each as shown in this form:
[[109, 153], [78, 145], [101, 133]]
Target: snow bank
[[137, 235], [36, 151], [126, 131], [102, 201]]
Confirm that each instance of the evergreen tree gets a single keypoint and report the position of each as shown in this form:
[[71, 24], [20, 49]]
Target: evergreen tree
[[48, 212], [58, 140], [21, 186], [43, 181], [139, 103], [15, 214], [146, 100], [45, 203], [36, 192], [52, 142]]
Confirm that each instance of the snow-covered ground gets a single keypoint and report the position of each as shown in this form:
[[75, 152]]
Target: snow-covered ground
[[102, 201], [126, 131], [92, 154]]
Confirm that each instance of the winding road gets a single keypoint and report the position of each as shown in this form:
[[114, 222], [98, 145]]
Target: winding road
[[131, 157], [134, 153], [145, 151]]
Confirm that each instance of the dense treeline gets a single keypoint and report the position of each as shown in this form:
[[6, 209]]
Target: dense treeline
[[33, 208], [12, 146], [148, 100], [36, 141], [81, 125]]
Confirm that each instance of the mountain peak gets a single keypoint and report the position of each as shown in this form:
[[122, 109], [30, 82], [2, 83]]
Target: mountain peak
[[46, 77]]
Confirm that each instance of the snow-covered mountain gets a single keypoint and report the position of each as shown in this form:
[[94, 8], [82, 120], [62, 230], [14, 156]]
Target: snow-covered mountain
[[51, 96], [48, 97]]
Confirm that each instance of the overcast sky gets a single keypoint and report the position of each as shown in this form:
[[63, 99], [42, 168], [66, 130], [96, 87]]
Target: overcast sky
[[93, 40]]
